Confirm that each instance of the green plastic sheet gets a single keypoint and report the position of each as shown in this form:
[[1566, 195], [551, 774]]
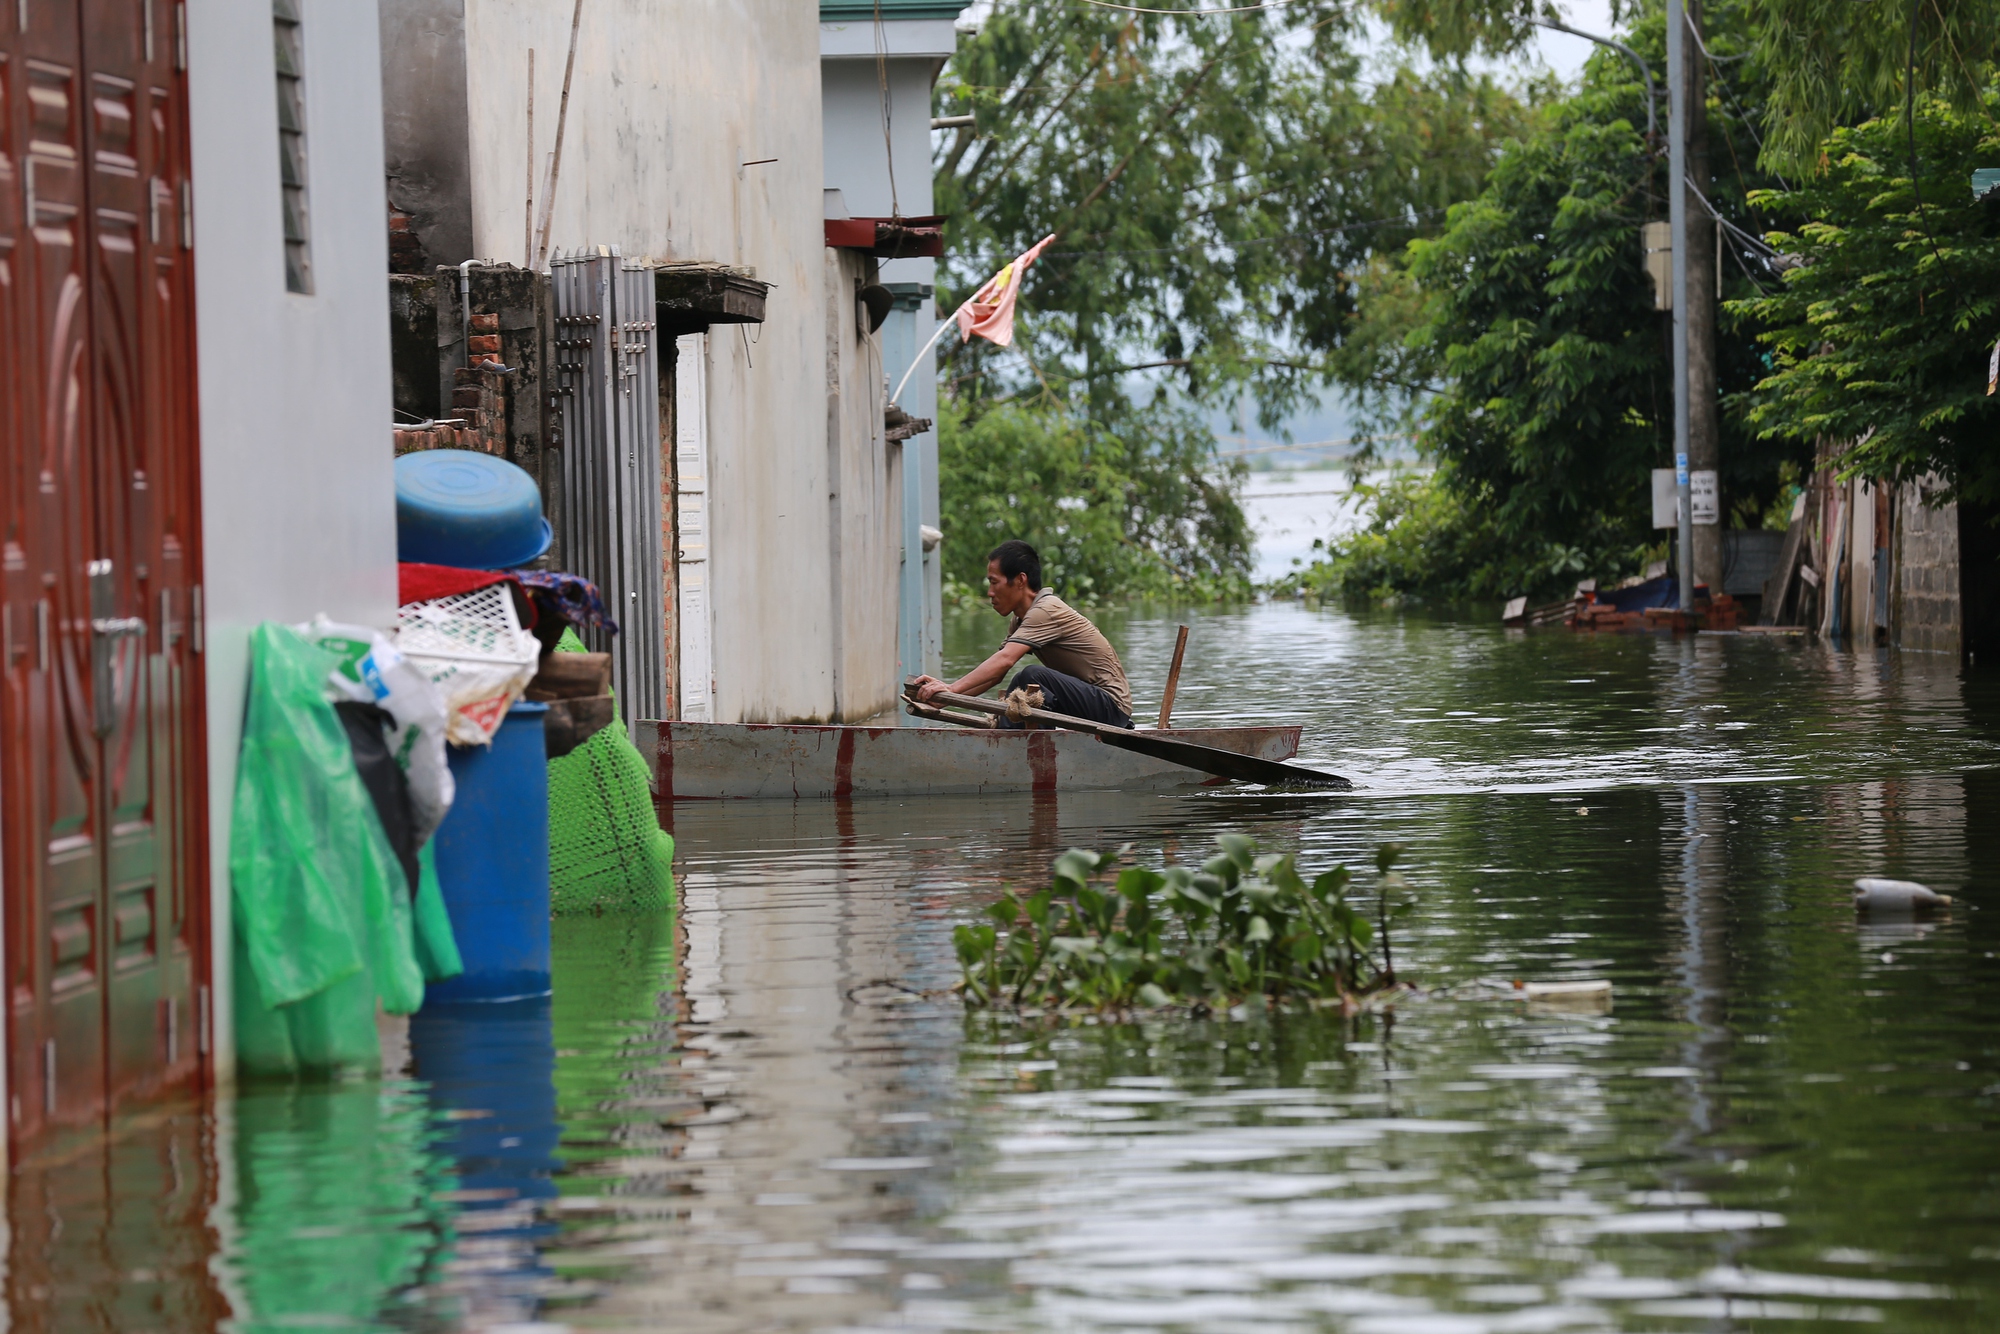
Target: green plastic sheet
[[323, 920]]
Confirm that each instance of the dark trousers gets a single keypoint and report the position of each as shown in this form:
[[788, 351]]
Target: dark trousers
[[1067, 695]]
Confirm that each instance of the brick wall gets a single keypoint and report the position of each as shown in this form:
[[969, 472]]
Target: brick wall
[[444, 403], [1926, 606], [406, 248]]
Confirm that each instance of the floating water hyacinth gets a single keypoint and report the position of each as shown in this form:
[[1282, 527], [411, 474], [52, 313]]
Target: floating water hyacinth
[[1241, 928]]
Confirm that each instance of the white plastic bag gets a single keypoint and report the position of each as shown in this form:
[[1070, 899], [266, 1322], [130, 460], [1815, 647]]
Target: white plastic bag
[[375, 671]]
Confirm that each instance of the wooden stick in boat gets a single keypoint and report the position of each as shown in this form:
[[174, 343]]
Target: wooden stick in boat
[[1187, 754], [1173, 679], [947, 716]]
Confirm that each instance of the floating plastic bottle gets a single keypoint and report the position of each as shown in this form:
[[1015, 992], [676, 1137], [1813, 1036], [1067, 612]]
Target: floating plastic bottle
[[1873, 894]]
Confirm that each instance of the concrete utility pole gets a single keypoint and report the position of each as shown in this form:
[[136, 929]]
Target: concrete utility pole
[[1704, 437], [1677, 219]]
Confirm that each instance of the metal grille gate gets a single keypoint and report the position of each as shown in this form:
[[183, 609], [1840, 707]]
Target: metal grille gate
[[607, 369]]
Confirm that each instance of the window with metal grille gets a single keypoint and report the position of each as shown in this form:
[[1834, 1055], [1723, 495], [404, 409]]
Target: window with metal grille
[[288, 32]]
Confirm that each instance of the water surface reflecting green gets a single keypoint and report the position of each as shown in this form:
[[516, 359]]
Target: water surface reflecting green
[[760, 1116]]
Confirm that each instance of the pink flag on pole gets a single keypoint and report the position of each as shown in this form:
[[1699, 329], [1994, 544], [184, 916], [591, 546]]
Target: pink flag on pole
[[990, 312]]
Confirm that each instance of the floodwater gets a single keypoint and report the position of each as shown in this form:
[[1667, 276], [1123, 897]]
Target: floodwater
[[761, 1117]]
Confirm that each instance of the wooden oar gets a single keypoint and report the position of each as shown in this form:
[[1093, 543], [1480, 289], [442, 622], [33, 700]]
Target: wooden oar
[[917, 710], [1187, 754]]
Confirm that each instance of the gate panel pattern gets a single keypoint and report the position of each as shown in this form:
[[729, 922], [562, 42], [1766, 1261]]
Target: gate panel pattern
[[607, 368], [100, 708]]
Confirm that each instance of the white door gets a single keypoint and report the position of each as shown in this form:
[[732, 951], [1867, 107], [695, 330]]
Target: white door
[[697, 631]]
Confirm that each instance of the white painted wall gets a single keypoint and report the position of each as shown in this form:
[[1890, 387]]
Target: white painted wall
[[298, 487], [861, 159], [865, 502], [669, 100]]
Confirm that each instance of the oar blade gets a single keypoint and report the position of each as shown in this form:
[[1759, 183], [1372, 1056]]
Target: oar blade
[[1223, 763]]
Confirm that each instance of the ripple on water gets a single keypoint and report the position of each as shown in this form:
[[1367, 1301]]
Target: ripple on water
[[743, 1119]]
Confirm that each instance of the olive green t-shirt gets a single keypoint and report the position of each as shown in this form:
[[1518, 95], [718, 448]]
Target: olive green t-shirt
[[1063, 638]]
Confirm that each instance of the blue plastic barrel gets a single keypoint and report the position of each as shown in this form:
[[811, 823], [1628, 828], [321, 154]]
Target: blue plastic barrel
[[493, 863]]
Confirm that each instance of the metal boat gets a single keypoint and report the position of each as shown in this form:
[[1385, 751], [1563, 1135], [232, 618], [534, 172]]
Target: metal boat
[[704, 761]]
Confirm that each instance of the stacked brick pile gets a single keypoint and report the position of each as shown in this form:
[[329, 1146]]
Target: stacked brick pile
[[406, 249], [409, 441]]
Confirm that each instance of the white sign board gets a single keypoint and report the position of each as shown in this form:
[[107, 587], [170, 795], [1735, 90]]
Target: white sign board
[[1666, 499], [1703, 491], [1705, 496]]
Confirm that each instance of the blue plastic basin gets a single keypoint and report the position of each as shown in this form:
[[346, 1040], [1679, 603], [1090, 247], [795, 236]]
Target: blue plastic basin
[[493, 863], [459, 507]]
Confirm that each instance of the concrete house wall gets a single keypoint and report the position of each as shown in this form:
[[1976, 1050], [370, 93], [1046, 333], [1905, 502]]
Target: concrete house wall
[[693, 133], [298, 487], [864, 500], [865, 66]]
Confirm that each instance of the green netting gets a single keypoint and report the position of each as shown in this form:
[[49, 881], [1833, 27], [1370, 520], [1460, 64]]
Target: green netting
[[607, 852]]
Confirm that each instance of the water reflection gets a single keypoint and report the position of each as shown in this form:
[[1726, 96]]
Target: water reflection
[[769, 1115], [489, 1070], [333, 1212]]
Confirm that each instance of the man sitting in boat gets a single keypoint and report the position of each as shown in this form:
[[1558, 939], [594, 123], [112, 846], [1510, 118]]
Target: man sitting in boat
[[1079, 675]]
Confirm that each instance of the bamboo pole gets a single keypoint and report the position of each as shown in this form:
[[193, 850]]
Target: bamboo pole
[[528, 223], [1173, 679], [562, 120]]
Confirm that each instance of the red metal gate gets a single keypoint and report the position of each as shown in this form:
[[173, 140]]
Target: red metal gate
[[101, 757]]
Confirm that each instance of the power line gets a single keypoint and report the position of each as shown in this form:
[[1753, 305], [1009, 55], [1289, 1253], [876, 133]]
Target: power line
[[1190, 13]]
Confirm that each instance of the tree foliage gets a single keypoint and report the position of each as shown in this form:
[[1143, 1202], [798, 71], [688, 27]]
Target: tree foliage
[[1836, 61], [1224, 188], [1215, 182], [1431, 538], [1139, 508], [1552, 370], [1829, 62], [1881, 334]]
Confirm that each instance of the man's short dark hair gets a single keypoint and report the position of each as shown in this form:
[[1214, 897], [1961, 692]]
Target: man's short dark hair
[[1017, 557]]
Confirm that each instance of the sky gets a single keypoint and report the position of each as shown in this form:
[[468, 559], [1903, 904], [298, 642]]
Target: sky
[[1564, 54]]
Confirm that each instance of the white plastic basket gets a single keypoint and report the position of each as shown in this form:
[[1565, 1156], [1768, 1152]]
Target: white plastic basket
[[475, 652], [479, 626]]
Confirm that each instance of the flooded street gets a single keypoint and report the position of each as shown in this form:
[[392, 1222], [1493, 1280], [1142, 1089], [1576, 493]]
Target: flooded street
[[761, 1117]]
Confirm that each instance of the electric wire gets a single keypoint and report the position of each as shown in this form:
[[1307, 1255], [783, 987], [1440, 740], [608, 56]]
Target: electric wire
[[1190, 13]]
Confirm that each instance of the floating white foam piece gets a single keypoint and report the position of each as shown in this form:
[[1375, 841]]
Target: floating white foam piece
[[1563, 990], [1873, 894]]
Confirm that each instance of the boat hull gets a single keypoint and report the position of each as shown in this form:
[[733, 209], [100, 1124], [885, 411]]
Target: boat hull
[[710, 761]]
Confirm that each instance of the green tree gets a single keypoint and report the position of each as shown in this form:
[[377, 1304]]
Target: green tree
[[1880, 334], [1836, 61], [1216, 181], [1223, 187], [1429, 538], [1553, 397], [1829, 62], [1136, 510]]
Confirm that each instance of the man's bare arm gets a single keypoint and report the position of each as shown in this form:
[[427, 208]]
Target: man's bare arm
[[980, 679]]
